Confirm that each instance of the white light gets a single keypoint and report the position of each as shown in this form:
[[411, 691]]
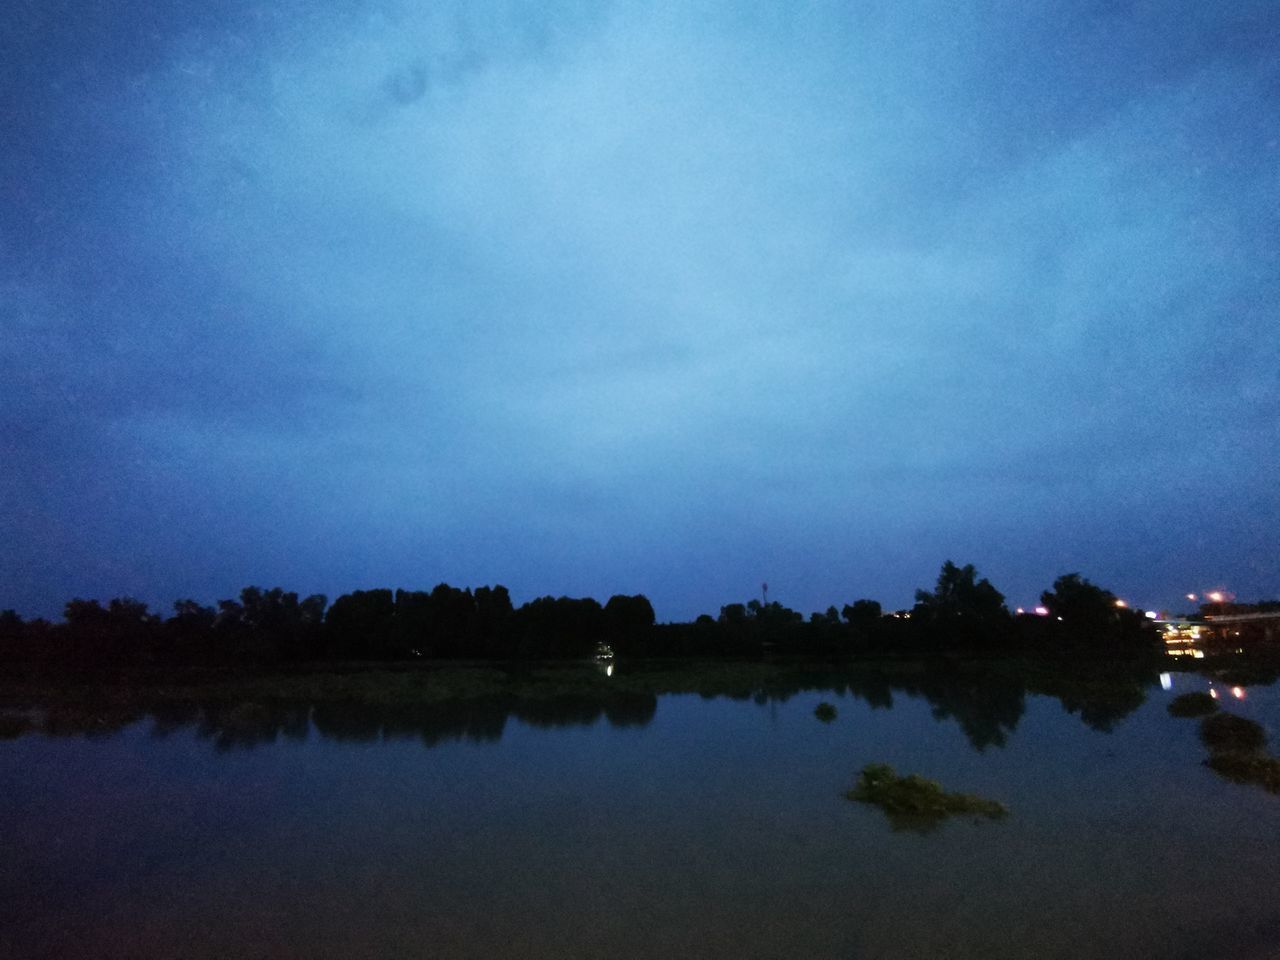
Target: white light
[[1238, 693], [1019, 610], [1216, 596], [1151, 614], [1042, 611], [1166, 681]]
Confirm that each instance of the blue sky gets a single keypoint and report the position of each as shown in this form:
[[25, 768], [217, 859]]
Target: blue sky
[[588, 298]]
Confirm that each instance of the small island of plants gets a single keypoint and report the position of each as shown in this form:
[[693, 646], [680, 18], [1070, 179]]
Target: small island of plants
[[914, 803]]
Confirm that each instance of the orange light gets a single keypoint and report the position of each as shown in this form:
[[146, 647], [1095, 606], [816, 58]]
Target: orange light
[[1215, 596], [1121, 604]]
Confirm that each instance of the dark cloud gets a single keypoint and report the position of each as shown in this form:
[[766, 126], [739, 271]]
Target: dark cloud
[[624, 297]]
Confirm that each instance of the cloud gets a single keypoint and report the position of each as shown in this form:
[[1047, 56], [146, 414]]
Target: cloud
[[583, 298]]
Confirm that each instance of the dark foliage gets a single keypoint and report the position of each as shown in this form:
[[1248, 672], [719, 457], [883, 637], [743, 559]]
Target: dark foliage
[[963, 614], [1197, 704]]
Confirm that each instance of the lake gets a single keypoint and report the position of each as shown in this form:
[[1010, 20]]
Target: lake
[[652, 820]]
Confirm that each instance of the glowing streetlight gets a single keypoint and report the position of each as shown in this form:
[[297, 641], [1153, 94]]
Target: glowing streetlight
[[1191, 596], [1215, 596], [1121, 604]]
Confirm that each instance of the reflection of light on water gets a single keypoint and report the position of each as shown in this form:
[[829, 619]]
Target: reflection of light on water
[[1166, 681], [1238, 692], [1186, 652]]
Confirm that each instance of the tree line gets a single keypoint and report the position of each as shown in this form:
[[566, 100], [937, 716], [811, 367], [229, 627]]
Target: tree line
[[962, 613]]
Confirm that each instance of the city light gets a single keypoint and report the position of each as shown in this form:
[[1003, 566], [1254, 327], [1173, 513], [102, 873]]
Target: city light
[[1151, 615], [1215, 596], [1238, 693], [1191, 596], [1121, 604], [1042, 611]]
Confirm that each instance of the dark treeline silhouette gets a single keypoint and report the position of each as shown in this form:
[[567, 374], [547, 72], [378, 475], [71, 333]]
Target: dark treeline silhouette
[[962, 614]]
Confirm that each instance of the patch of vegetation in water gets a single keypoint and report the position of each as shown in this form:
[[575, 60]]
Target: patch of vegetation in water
[[825, 712], [914, 803], [1249, 767], [1197, 704], [1228, 733]]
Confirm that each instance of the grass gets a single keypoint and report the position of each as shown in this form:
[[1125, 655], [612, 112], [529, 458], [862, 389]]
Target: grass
[[914, 803], [1198, 704]]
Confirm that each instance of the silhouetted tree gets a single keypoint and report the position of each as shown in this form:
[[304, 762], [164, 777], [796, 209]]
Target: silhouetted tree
[[1090, 614], [558, 627], [862, 614], [359, 625], [961, 608]]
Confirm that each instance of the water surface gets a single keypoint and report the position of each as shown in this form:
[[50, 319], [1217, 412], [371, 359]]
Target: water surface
[[668, 825]]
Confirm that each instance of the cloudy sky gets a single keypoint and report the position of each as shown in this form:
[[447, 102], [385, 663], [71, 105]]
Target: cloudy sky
[[672, 298]]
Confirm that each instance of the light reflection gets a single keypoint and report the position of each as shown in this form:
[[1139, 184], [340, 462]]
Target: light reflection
[[1166, 681]]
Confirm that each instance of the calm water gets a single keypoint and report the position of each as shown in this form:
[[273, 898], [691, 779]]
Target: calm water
[[671, 826]]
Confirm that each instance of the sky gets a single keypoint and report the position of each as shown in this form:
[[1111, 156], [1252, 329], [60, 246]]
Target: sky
[[588, 298]]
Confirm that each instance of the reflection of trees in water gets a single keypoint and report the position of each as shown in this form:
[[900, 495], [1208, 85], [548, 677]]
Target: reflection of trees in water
[[986, 700], [250, 724], [987, 710], [245, 725], [472, 721], [1101, 694]]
